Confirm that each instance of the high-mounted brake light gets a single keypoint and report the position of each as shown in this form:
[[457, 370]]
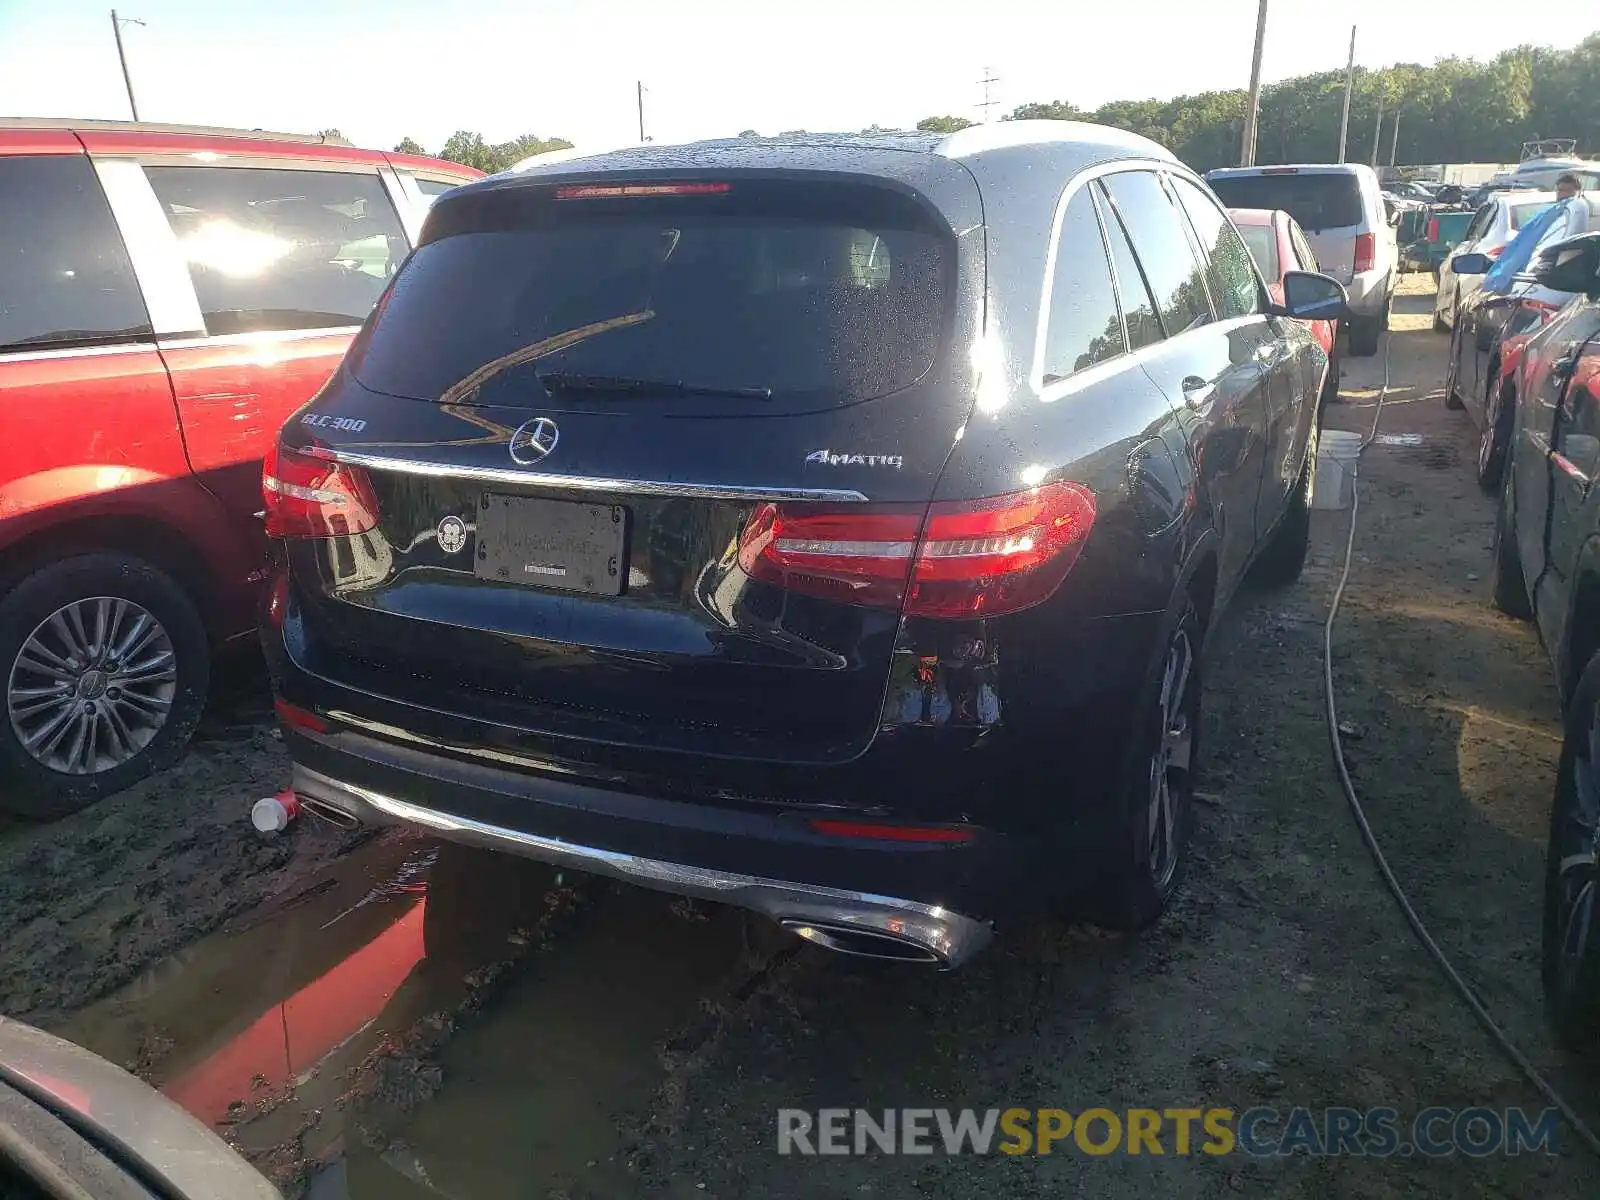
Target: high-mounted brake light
[[589, 191], [1366, 251], [971, 558], [1280, 170], [310, 497]]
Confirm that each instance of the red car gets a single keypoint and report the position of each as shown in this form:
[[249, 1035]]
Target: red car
[[1279, 245], [168, 296]]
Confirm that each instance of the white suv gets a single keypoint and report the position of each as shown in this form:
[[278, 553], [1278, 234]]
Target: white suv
[[1340, 206]]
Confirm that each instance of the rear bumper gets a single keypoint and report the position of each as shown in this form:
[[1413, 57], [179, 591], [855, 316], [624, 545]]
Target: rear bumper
[[846, 919], [1368, 292]]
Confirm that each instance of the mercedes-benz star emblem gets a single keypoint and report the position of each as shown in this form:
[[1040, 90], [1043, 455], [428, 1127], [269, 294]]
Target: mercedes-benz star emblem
[[534, 440]]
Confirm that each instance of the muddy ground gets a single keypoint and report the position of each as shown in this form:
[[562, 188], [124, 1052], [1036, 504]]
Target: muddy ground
[[377, 1018]]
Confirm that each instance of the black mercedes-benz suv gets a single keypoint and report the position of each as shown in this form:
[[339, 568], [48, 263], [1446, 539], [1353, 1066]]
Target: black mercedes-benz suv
[[829, 526]]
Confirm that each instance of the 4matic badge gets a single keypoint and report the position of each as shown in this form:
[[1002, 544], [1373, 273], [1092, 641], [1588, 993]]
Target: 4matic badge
[[831, 458]]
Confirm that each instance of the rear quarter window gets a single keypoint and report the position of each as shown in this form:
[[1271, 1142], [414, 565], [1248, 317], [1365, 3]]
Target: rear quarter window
[[816, 298], [1263, 245], [1317, 200], [65, 278]]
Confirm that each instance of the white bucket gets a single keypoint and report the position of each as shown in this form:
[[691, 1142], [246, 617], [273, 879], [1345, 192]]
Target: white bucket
[[1334, 481]]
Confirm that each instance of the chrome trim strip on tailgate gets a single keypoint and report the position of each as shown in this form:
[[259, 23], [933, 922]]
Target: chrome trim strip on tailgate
[[582, 483]]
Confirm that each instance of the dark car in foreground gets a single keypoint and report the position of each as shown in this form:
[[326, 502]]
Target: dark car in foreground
[[74, 1126], [1486, 320], [1547, 566], [828, 526]]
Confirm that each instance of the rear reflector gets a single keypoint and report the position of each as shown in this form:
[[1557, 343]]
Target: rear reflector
[[1366, 251], [634, 190], [310, 497], [892, 833], [971, 558], [296, 717]]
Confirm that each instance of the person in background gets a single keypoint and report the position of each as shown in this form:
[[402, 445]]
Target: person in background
[[1568, 186], [1501, 277]]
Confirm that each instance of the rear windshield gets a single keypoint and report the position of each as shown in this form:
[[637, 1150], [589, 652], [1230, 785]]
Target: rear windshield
[[1263, 243], [1526, 212], [785, 302], [1317, 201]]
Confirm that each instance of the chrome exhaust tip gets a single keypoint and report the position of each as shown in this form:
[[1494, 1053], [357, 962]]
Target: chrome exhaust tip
[[330, 813], [862, 943]]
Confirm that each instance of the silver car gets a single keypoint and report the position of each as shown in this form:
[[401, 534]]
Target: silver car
[[1493, 226], [1340, 206]]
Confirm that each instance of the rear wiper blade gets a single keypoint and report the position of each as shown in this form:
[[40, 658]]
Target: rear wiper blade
[[622, 385]]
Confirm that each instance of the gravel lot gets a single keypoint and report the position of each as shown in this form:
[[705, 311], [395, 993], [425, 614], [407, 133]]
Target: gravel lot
[[565, 1038]]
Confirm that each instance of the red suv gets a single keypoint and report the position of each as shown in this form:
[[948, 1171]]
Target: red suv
[[168, 296]]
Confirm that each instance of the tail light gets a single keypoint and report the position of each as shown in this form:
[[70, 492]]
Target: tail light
[[310, 497], [970, 558], [1493, 251], [1366, 251], [1433, 230]]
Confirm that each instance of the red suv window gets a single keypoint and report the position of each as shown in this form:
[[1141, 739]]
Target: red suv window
[[65, 278], [275, 249]]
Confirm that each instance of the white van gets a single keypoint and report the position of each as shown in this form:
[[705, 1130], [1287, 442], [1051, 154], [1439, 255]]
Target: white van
[[1340, 206]]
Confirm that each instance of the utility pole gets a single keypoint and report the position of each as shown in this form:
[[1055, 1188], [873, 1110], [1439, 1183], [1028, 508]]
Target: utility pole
[[116, 29], [1252, 115], [1349, 87], [1377, 131], [640, 93], [1394, 140], [988, 80]]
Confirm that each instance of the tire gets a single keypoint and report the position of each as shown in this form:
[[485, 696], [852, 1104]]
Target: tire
[[1509, 587], [1365, 334], [1281, 560], [1148, 850], [1499, 410], [1571, 941], [139, 727]]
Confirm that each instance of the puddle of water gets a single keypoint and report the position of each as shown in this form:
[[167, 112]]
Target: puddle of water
[[294, 1030]]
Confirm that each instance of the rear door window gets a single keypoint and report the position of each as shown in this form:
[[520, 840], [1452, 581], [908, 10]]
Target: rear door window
[[1230, 272], [1085, 325], [1138, 306], [1302, 249], [784, 297], [278, 249], [65, 278], [1262, 241], [1163, 248], [1523, 213], [1318, 200]]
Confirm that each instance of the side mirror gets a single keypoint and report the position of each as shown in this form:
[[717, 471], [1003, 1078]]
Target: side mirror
[[1570, 266], [1471, 264], [1308, 296]]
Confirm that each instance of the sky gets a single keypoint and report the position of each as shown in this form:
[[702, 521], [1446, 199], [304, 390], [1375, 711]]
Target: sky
[[386, 69]]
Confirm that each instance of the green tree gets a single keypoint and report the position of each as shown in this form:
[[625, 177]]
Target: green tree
[[943, 124], [1056, 110], [409, 146], [330, 135]]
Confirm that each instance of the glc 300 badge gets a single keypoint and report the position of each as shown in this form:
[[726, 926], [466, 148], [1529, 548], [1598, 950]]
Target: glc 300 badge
[[452, 534]]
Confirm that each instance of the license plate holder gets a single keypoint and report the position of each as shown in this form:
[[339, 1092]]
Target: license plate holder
[[561, 545]]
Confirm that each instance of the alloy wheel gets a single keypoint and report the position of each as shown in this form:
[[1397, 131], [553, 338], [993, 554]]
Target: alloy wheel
[[1575, 848], [1491, 421], [1170, 766], [92, 685]]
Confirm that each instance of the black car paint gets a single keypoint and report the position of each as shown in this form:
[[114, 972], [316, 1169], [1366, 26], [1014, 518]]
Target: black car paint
[[760, 710]]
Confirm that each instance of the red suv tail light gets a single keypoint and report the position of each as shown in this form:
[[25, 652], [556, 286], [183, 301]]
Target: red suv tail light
[[1433, 230], [312, 497], [1366, 251], [971, 558]]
